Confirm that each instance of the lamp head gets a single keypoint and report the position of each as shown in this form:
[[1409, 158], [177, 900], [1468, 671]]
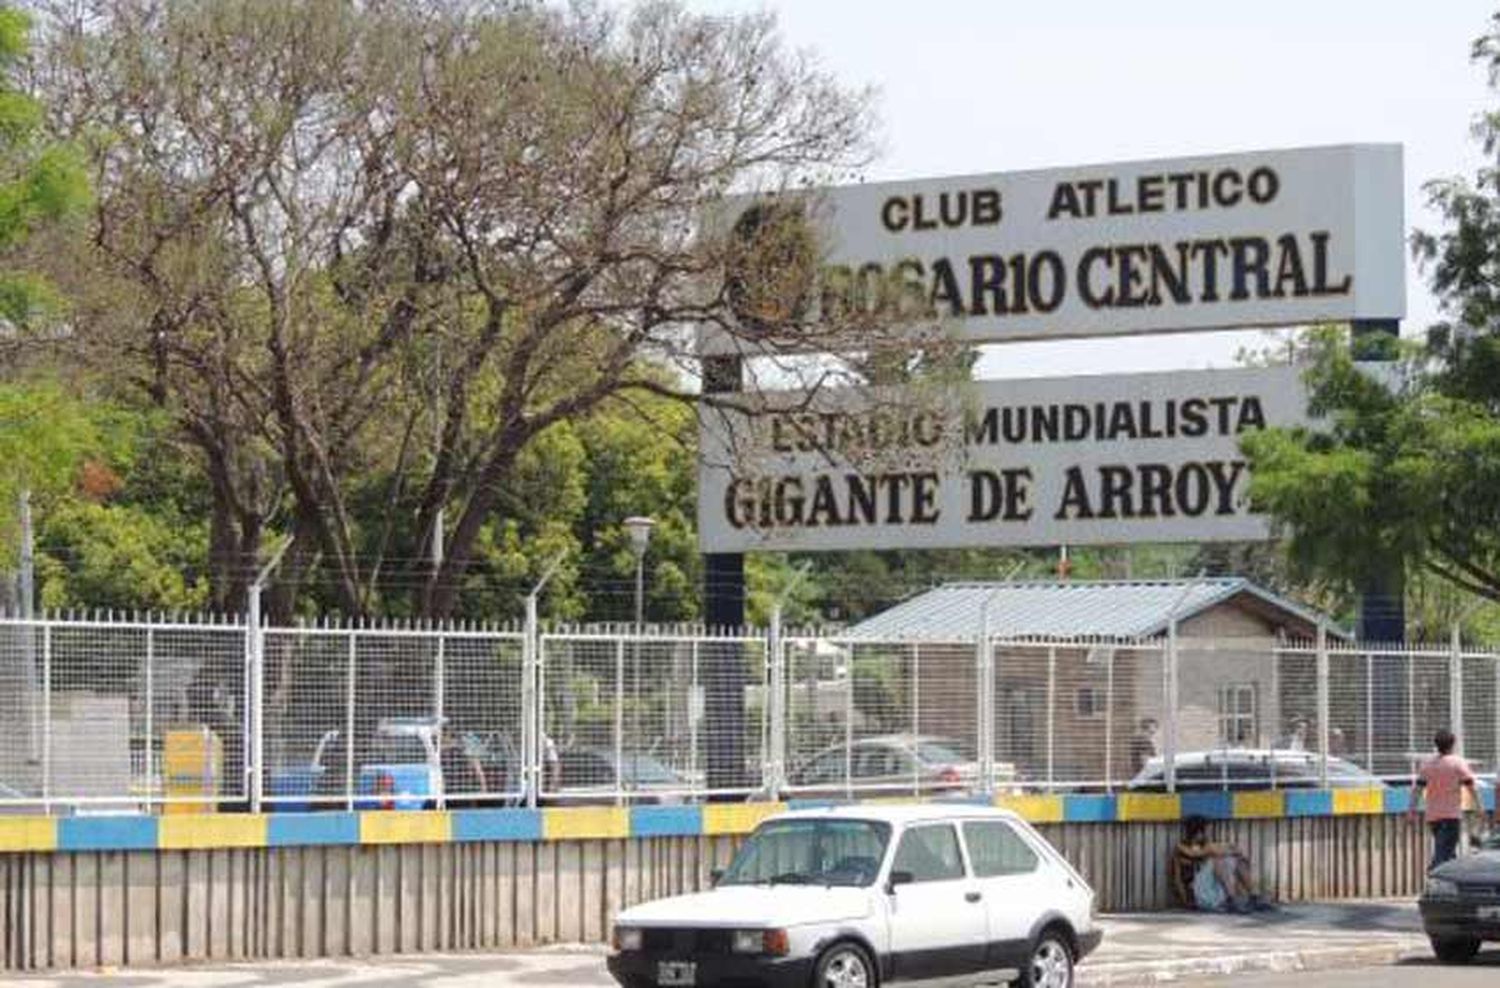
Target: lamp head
[[639, 529]]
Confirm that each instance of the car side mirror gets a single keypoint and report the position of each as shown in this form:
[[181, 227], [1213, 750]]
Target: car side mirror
[[898, 878], [714, 876]]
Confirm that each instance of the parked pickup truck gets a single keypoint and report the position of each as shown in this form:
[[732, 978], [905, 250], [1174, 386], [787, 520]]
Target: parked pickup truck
[[402, 771]]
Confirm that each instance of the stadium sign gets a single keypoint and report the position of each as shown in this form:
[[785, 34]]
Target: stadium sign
[[1085, 460], [1265, 238]]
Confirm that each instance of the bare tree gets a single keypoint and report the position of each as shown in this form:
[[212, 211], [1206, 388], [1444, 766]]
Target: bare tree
[[329, 231]]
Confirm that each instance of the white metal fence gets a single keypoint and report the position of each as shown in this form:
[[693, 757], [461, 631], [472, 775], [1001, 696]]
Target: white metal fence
[[104, 714]]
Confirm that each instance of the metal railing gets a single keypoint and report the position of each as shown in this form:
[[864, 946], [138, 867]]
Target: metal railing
[[109, 714]]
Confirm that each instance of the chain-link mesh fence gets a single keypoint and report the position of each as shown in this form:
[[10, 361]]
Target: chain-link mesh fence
[[105, 715], [652, 718], [135, 714], [392, 719]]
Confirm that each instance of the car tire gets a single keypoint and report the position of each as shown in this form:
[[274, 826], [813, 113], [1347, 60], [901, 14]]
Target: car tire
[[845, 965], [1050, 964], [1455, 950]]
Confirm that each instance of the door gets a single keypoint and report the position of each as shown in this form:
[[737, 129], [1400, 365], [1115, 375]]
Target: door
[[1016, 889], [938, 924]]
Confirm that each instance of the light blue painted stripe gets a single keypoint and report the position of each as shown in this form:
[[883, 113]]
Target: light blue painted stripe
[[1210, 805], [1309, 802], [966, 799], [481, 825], [666, 821], [309, 829], [1089, 809], [1397, 799], [106, 833]]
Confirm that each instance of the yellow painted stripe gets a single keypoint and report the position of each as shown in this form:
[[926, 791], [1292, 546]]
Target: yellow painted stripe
[[211, 830], [1149, 806], [405, 827], [1033, 809], [28, 833], [585, 822], [1259, 805], [1358, 802], [737, 818]]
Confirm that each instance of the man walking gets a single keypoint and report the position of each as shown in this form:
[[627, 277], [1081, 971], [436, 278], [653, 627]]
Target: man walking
[[1442, 779]]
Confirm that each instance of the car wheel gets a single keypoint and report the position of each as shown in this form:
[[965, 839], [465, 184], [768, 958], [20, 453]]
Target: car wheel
[[1050, 964], [1455, 950], [845, 965]]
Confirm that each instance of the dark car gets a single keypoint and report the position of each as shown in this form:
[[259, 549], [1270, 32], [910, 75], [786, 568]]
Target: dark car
[[1461, 904], [594, 775]]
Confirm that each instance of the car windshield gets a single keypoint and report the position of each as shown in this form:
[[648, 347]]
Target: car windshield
[[938, 753], [810, 852], [400, 749], [644, 768]]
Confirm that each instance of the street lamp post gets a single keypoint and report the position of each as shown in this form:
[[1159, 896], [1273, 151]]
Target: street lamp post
[[639, 528]]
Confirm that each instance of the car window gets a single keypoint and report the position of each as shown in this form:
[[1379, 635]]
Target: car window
[[827, 767], [817, 852], [930, 853], [996, 849], [937, 753], [873, 761], [400, 749], [584, 768]]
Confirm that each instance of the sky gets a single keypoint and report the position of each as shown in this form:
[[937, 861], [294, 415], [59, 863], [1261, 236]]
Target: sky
[[969, 86]]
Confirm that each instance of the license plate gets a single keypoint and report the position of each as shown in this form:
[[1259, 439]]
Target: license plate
[[1488, 912], [676, 973]]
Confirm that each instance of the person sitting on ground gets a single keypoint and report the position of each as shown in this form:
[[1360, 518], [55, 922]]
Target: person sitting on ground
[[1211, 876]]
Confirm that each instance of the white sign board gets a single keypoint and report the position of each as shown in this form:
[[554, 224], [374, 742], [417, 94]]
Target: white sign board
[[1265, 238], [1055, 461]]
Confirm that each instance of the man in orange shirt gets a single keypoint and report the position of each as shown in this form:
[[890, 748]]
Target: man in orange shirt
[[1443, 779]]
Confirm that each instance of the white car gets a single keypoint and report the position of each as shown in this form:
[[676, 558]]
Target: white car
[[858, 896]]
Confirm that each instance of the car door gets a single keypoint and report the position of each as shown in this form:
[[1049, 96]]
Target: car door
[[937, 919], [1016, 885]]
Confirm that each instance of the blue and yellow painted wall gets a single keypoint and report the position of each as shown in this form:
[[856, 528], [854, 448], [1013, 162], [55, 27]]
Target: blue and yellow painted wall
[[187, 832]]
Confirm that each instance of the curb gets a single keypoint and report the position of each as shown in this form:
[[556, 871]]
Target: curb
[[1276, 962]]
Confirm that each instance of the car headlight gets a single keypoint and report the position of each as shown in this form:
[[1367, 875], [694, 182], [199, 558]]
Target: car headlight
[[772, 942], [627, 938], [1441, 888]]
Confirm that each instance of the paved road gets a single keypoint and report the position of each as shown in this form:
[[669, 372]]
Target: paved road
[[1484, 973], [1137, 948]]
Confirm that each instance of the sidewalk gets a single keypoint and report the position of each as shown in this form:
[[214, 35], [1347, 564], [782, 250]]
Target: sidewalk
[[1151, 948], [1138, 949]]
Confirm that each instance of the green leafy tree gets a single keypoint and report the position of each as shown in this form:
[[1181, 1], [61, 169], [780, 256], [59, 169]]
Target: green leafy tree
[[1408, 466], [41, 182]]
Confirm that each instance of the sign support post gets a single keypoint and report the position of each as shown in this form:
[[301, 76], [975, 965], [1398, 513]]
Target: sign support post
[[724, 608]]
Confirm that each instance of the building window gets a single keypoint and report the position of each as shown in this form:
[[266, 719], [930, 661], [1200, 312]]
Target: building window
[[1088, 702], [1237, 726]]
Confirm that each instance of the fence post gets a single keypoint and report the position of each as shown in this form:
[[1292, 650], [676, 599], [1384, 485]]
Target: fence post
[[1169, 685], [1456, 687], [47, 717], [984, 662], [254, 673], [439, 688], [773, 768], [619, 721], [1109, 719], [1322, 706], [916, 714], [1051, 715], [531, 709], [349, 725], [150, 721]]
